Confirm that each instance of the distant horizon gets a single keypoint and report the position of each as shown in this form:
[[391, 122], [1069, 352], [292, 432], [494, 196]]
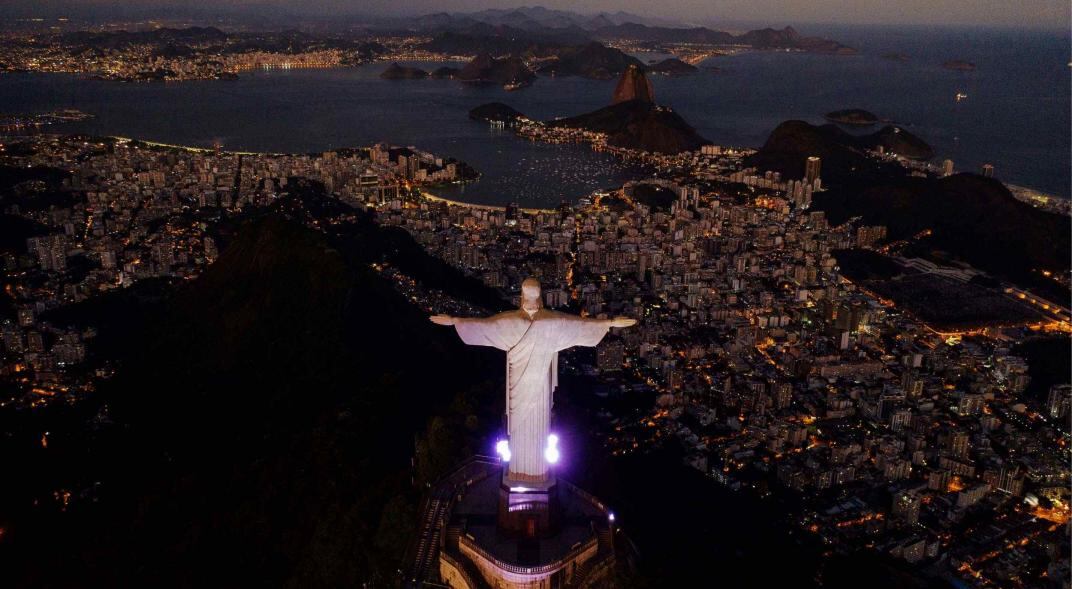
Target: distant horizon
[[1047, 18]]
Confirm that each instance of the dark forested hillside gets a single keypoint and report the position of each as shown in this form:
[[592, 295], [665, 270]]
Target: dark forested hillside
[[265, 419]]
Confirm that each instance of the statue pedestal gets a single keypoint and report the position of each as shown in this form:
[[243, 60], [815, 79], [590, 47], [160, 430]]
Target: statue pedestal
[[483, 533], [528, 509]]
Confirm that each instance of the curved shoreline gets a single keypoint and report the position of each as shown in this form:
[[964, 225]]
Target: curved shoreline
[[1020, 192], [64, 91], [469, 205], [424, 193]]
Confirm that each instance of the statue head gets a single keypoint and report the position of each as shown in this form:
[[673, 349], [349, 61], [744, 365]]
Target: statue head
[[531, 301]]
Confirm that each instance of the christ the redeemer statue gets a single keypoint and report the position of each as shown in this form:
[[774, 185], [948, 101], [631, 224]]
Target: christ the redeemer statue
[[532, 338]]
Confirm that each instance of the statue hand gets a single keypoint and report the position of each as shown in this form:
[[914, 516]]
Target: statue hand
[[442, 319], [622, 322]]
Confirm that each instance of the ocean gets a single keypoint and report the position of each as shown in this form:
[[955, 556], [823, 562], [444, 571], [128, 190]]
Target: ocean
[[1016, 113]]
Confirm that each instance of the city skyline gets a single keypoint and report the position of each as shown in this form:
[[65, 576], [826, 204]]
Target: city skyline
[[716, 300]]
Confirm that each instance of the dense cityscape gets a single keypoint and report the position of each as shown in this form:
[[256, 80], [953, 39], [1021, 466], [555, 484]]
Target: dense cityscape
[[876, 395], [770, 368]]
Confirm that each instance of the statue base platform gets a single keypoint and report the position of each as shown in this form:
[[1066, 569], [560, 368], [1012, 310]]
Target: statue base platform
[[573, 546], [528, 509]]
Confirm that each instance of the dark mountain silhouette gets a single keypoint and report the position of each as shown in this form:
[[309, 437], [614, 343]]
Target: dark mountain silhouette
[[456, 43], [15, 229], [640, 32], [531, 18], [634, 121], [486, 69], [591, 60], [538, 23], [399, 72], [974, 218], [843, 155], [163, 36], [672, 67], [897, 140], [565, 58], [12, 176], [638, 125], [788, 38], [444, 73], [267, 414], [631, 122], [655, 197], [494, 111]]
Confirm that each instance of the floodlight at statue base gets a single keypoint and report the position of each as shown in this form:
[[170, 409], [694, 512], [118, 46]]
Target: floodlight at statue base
[[528, 508]]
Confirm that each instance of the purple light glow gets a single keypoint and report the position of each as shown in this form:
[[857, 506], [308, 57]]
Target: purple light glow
[[551, 453], [502, 448]]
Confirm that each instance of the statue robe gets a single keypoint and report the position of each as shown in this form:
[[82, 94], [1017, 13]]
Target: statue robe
[[532, 347]]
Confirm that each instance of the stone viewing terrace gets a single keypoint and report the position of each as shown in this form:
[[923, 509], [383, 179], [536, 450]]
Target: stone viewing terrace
[[460, 537], [477, 514]]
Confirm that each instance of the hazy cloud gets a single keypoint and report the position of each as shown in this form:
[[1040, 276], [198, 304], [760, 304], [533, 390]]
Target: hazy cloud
[[1016, 13]]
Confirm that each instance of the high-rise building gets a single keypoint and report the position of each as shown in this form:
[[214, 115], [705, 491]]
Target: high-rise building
[[947, 168], [783, 395], [971, 496], [1011, 480], [958, 444], [970, 404], [900, 419], [906, 507], [869, 235], [938, 480], [988, 170], [1059, 401], [811, 169]]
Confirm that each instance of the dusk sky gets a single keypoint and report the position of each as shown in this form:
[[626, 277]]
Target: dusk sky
[[1021, 13]]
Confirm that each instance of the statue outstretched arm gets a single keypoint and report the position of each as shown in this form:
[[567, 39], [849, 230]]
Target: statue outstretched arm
[[498, 331], [583, 331]]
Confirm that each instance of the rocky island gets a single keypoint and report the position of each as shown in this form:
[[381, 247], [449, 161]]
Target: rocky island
[[638, 125], [959, 65], [856, 117], [672, 67], [495, 112], [444, 73], [633, 85], [399, 72], [632, 121], [508, 71]]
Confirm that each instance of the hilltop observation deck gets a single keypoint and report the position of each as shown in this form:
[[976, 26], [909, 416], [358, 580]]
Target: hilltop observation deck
[[462, 543]]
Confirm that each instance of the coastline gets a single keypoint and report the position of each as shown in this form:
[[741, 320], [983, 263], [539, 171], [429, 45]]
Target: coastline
[[1037, 198], [140, 112], [479, 207]]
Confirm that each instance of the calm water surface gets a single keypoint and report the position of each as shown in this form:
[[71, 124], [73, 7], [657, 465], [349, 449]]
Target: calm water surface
[[1016, 115]]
